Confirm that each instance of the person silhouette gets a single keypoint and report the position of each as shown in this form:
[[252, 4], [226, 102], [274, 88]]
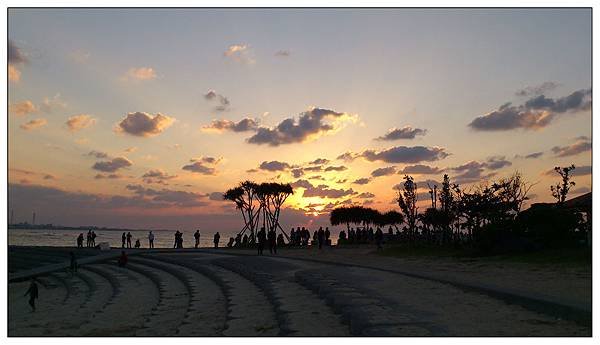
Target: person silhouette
[[230, 243], [123, 239], [93, 239], [137, 243], [33, 293], [176, 242], [197, 238], [150, 240], [271, 238], [80, 240], [89, 238], [320, 237], [216, 239], [262, 238], [129, 239], [327, 234]]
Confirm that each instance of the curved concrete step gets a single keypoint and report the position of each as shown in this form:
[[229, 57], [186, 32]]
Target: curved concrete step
[[297, 309], [125, 311], [173, 300], [206, 312]]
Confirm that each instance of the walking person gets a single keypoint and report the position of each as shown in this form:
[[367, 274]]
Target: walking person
[[123, 239], [150, 240], [33, 293], [129, 239], [197, 238]]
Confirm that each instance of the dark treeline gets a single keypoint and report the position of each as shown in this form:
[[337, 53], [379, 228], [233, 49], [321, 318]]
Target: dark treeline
[[487, 218]]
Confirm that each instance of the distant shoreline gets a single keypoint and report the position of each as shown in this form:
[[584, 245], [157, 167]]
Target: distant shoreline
[[74, 228]]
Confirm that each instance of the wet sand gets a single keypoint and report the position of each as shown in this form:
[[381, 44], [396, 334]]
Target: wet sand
[[211, 293]]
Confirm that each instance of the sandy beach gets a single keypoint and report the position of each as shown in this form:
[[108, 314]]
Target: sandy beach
[[334, 292]]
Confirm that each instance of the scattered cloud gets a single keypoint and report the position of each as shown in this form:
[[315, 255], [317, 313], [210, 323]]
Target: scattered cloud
[[363, 180], [406, 132], [202, 165], [50, 105], [420, 169], [475, 171], [97, 154], [15, 57], [33, 124], [322, 190], [533, 155], [157, 176], [240, 53], [130, 149], [78, 122], [274, 166], [223, 102], [310, 124], [538, 112], [283, 53], [319, 161], [384, 171], [333, 168], [112, 165], [537, 89], [244, 125], [582, 170], [108, 176], [399, 154], [139, 74], [144, 125], [170, 197], [573, 149], [23, 108], [365, 195]]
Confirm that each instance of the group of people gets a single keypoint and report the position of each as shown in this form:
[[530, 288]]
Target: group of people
[[363, 235], [301, 237], [91, 239], [178, 240]]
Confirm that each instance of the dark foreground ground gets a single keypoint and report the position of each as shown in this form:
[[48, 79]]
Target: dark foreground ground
[[337, 292]]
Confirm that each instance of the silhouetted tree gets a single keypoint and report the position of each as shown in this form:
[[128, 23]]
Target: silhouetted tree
[[560, 191], [407, 200]]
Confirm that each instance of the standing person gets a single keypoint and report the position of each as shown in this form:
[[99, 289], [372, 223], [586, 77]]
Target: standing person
[[123, 238], [129, 239], [80, 240], [216, 240], [271, 239], [150, 240], [93, 239], [262, 238], [176, 239], [197, 238], [89, 238], [33, 293], [180, 240], [327, 234], [321, 237]]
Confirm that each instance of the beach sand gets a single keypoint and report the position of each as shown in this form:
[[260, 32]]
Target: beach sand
[[213, 293]]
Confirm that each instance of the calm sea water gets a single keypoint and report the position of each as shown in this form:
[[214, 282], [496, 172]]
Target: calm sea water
[[162, 239]]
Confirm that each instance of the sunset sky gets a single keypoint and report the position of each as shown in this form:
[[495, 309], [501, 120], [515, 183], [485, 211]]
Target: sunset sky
[[142, 118]]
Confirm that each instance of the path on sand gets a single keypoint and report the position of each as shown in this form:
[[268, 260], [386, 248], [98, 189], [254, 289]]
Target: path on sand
[[211, 294]]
